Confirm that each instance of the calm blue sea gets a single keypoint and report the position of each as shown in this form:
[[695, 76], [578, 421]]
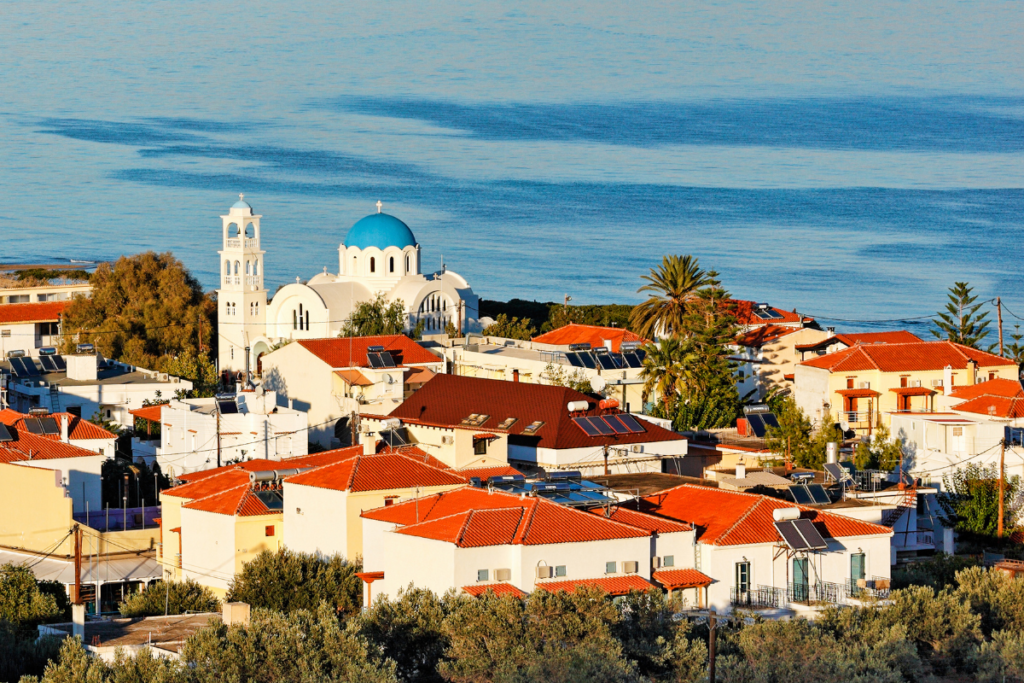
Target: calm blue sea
[[847, 160]]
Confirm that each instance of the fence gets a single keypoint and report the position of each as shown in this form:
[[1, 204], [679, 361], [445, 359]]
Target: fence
[[820, 593]]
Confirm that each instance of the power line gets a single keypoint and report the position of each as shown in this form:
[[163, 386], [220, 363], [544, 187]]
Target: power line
[[958, 463]]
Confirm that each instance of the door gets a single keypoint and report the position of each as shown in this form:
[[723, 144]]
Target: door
[[801, 582], [857, 570]]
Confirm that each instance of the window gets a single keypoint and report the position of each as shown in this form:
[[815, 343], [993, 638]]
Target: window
[[256, 267], [560, 570], [270, 530], [849, 382], [248, 268], [390, 500], [108, 413], [609, 567], [742, 577], [391, 264], [257, 308], [232, 353], [49, 329], [75, 410], [5, 333], [236, 267], [958, 431], [480, 446], [668, 561], [406, 264], [482, 574], [991, 375], [295, 320], [373, 265], [904, 381]]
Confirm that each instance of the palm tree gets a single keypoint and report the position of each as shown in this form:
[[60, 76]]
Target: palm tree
[[664, 372], [672, 286]]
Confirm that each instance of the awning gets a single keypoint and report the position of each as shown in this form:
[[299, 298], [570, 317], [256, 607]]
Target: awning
[[114, 569], [370, 577], [496, 588], [481, 437], [418, 375], [912, 391], [858, 393], [354, 378], [673, 579], [151, 413], [613, 585]]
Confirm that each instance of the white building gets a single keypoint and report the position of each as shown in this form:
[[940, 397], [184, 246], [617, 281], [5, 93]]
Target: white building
[[28, 327], [380, 256], [473, 539], [472, 422], [70, 429], [86, 386], [196, 433], [739, 545], [334, 381]]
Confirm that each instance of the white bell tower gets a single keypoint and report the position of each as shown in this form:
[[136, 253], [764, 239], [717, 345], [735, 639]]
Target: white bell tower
[[241, 299]]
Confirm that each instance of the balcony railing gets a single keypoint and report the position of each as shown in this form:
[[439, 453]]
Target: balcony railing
[[821, 593], [852, 417]]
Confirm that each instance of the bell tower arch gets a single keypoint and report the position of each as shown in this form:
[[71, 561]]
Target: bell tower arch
[[241, 298]]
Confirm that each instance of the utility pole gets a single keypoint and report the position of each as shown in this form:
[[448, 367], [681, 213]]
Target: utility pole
[[999, 314], [125, 500], [218, 436], [77, 606], [606, 470], [712, 617], [460, 321], [1002, 485]]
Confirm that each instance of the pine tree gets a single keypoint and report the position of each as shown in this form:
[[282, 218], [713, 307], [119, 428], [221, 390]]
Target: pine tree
[[960, 322]]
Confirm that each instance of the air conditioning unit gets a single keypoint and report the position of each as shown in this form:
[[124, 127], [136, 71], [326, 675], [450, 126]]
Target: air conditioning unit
[[543, 572], [162, 377], [447, 440], [865, 385], [916, 383], [936, 382], [637, 448], [503, 574], [656, 562], [630, 567]]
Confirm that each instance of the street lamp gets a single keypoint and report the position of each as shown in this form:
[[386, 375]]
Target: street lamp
[[124, 500]]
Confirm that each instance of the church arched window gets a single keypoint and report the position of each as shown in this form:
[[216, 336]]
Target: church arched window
[[248, 267], [444, 304], [257, 308], [407, 264], [295, 319], [256, 268], [307, 321], [391, 264], [237, 264], [373, 265], [250, 230], [300, 318]]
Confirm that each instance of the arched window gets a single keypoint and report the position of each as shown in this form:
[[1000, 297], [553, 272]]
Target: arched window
[[307, 321], [248, 267], [250, 230], [237, 264], [373, 265], [444, 304], [227, 267], [407, 264], [355, 266], [256, 267], [300, 318], [391, 264], [295, 319]]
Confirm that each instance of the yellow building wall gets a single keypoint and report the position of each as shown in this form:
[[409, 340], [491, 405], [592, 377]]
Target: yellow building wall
[[780, 357], [251, 537], [358, 502], [34, 512], [170, 518]]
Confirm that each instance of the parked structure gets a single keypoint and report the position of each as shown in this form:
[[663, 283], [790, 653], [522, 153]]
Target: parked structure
[[334, 380]]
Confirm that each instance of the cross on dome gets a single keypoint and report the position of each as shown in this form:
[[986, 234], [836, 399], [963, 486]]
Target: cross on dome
[[241, 197], [379, 205]]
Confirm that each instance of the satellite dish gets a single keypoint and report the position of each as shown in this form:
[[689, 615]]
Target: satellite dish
[[260, 391], [598, 383]]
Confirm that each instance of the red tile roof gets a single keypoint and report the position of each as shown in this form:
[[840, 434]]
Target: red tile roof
[[858, 393], [594, 335], [377, 472], [263, 465], [354, 378], [28, 446], [221, 479], [240, 501], [642, 520], [766, 334], [613, 585], [533, 521], [744, 313], [151, 413], [1006, 388], [485, 473], [442, 505], [993, 406], [446, 400], [78, 429], [42, 312], [735, 518], [350, 352], [853, 338], [496, 588], [681, 578], [912, 391], [919, 356]]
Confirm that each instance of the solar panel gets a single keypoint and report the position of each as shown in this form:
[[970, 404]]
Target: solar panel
[[631, 424], [810, 534], [30, 367], [387, 360], [606, 361], [585, 425], [60, 363], [632, 359], [819, 494], [587, 359], [47, 363], [5, 435], [48, 425], [227, 407], [790, 535], [600, 425], [801, 495], [375, 361], [574, 360], [18, 367], [835, 471], [33, 426], [756, 425], [616, 424], [272, 499], [769, 420]]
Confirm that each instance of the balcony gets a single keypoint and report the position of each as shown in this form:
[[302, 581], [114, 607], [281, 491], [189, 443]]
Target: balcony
[[818, 594], [233, 243]]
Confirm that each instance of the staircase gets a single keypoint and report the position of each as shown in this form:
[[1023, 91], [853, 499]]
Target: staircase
[[908, 501]]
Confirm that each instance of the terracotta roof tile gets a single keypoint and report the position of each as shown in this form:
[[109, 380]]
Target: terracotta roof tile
[[485, 473], [1006, 388], [354, 378], [240, 501], [348, 352], [613, 585], [39, 447], [377, 472], [497, 588], [642, 520], [909, 357], [735, 518], [43, 311], [263, 465], [765, 335], [446, 400], [151, 413], [853, 338], [594, 335], [681, 578], [442, 505], [993, 406], [744, 314], [78, 429]]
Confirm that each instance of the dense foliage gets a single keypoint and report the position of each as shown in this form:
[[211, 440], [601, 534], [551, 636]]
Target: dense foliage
[[551, 315], [881, 453], [961, 321], [376, 317], [575, 379], [970, 502], [510, 328], [199, 369], [144, 310], [24, 601], [806, 444], [172, 597], [286, 581], [672, 286]]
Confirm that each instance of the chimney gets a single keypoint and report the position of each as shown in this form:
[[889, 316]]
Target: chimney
[[972, 372], [741, 470], [947, 379], [515, 374], [369, 445], [64, 428], [236, 614]]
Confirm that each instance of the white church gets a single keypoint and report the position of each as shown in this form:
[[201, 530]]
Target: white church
[[380, 255]]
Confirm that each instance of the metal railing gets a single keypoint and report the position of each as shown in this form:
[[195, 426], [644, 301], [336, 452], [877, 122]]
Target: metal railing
[[855, 416], [820, 593]]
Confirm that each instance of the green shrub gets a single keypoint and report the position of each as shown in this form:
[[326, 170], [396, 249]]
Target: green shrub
[[286, 581], [22, 602], [173, 597]]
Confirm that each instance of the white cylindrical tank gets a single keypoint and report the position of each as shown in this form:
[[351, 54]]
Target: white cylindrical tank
[[577, 406], [783, 514]]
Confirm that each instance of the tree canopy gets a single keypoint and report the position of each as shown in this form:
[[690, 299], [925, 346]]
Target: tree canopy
[[961, 321], [174, 597], [144, 310], [970, 502], [376, 317], [510, 328], [672, 286], [287, 580]]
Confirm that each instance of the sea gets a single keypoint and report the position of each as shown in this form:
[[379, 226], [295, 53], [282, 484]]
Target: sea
[[847, 160]]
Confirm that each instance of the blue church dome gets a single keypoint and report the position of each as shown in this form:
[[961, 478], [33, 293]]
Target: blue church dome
[[241, 205], [380, 230]]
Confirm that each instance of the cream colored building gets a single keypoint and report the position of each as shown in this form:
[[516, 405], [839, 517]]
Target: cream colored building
[[864, 383], [380, 256], [334, 381]]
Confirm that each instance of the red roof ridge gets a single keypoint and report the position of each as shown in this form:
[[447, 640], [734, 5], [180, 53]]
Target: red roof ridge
[[525, 522], [742, 518]]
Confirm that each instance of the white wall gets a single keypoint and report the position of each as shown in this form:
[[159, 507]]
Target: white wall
[[207, 547], [303, 382], [423, 562], [315, 520], [810, 390]]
